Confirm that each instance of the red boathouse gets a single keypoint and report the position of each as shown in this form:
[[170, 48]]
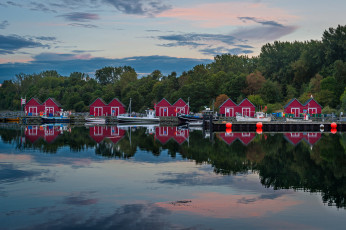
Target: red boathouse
[[245, 108], [296, 108], [164, 109], [33, 107], [52, 107], [115, 107], [98, 108], [181, 107]]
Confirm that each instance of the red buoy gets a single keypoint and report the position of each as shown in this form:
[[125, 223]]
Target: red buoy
[[228, 125], [228, 130], [333, 125], [259, 125], [333, 131], [259, 131]]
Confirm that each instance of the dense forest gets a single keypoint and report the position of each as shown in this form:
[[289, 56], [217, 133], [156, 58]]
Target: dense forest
[[282, 71]]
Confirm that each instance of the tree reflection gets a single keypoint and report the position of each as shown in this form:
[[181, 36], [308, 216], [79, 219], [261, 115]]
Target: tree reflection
[[283, 161]]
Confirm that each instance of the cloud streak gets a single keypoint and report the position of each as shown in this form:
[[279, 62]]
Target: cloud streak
[[4, 24], [79, 16], [11, 43], [139, 7]]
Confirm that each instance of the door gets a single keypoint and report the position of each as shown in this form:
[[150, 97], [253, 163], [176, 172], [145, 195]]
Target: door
[[246, 111], [98, 111], [295, 111], [114, 111], [180, 110], [229, 112], [49, 110], [163, 131], [98, 131], [114, 131], [312, 110], [33, 111], [164, 111]]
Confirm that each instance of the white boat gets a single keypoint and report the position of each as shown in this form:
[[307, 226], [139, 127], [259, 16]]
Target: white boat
[[259, 116], [297, 120], [96, 120], [148, 117]]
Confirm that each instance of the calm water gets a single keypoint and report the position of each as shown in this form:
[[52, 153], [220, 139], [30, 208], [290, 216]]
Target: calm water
[[170, 178]]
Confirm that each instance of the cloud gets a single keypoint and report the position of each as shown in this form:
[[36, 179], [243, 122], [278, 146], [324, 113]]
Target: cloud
[[4, 24], [80, 199], [139, 7], [79, 16], [44, 38], [88, 26], [68, 63], [10, 174], [11, 43], [193, 37], [263, 33], [40, 7], [261, 21], [220, 50]]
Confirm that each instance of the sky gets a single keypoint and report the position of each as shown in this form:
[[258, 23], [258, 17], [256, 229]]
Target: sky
[[166, 35]]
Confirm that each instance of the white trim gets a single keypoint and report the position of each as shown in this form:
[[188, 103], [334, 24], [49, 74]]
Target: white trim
[[162, 112], [295, 109], [98, 109], [98, 128], [161, 131], [31, 110], [229, 111], [246, 109], [116, 109], [314, 110], [114, 128]]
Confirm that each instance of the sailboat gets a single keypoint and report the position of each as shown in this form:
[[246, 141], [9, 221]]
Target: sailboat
[[149, 117]]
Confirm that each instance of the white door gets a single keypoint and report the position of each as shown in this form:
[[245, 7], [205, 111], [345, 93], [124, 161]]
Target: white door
[[229, 112], [98, 111], [114, 111], [295, 111], [246, 111], [312, 110], [163, 111], [33, 110]]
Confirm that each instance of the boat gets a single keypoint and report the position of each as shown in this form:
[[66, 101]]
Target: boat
[[259, 116], [184, 118], [149, 117], [195, 123], [95, 120], [297, 120], [55, 119]]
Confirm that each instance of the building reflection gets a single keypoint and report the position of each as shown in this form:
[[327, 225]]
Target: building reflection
[[113, 133], [229, 138], [48, 133], [165, 133], [296, 138]]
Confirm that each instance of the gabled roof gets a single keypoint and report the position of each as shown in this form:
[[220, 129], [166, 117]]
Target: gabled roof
[[99, 99], [291, 102], [55, 101], [117, 100], [228, 99], [311, 100], [178, 100], [162, 100], [246, 100], [36, 99]]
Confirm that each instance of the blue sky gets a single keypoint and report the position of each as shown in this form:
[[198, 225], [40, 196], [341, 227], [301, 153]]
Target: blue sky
[[169, 35]]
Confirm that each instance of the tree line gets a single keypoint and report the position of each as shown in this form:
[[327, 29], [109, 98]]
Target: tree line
[[282, 71]]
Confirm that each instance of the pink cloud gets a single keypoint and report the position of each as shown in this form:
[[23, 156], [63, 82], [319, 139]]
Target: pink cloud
[[14, 157], [226, 14], [231, 206]]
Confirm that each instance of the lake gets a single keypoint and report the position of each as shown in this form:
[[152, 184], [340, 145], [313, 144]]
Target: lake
[[151, 177]]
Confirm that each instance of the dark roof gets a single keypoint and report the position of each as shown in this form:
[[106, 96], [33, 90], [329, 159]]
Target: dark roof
[[291, 102], [248, 100], [100, 99], [311, 100], [226, 101], [55, 101], [162, 100], [178, 100], [117, 100]]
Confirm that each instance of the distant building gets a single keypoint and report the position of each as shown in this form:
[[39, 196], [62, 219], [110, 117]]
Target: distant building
[[113, 133], [295, 107], [98, 108], [164, 109], [52, 107], [115, 107], [181, 107], [33, 107], [230, 109]]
